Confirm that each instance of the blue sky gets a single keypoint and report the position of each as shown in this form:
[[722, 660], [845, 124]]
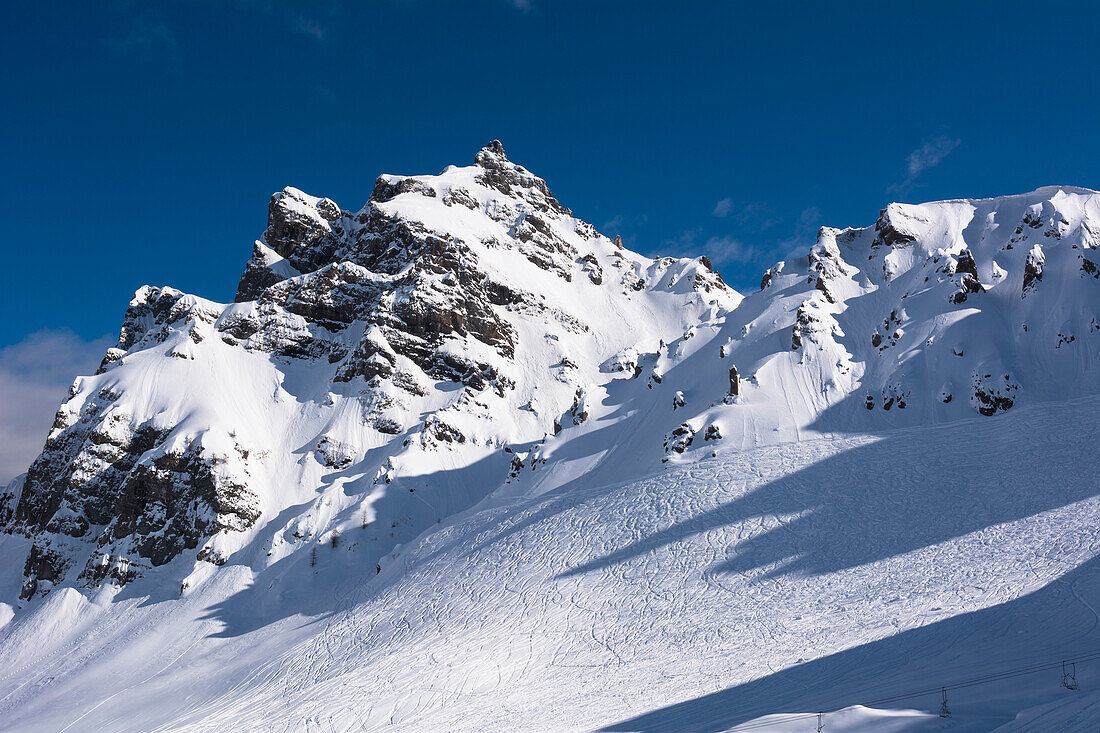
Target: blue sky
[[142, 140]]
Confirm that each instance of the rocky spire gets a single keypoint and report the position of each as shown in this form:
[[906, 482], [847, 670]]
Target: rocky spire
[[514, 180], [491, 155]]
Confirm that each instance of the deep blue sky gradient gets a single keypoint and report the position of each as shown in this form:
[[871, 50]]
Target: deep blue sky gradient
[[141, 141]]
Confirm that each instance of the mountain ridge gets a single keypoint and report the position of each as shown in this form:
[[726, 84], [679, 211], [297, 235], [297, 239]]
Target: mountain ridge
[[431, 283], [463, 411]]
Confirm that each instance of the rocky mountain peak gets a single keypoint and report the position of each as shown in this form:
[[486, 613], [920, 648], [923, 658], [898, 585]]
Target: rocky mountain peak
[[515, 181], [452, 315], [492, 155]]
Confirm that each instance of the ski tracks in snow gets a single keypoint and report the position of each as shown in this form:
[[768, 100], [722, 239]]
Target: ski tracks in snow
[[576, 609]]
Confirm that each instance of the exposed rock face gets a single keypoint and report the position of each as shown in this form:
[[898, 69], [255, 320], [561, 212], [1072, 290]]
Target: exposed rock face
[[993, 393], [303, 234], [891, 229], [417, 287], [967, 271], [576, 414], [680, 439], [125, 489], [1033, 268], [812, 322], [515, 181], [766, 280]]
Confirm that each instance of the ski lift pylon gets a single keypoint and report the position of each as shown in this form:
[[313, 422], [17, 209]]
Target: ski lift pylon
[[1069, 677]]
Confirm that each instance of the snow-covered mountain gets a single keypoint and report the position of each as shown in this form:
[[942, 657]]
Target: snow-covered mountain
[[461, 413], [446, 329]]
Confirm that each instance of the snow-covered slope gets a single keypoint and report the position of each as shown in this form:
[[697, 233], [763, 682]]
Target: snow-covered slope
[[457, 460], [784, 579], [938, 312]]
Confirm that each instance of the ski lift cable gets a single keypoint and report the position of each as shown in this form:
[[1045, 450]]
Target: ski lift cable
[[906, 696], [972, 682], [999, 669], [1018, 670], [1008, 674]]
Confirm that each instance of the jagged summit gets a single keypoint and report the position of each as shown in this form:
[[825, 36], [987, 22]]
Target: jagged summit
[[494, 148], [305, 233]]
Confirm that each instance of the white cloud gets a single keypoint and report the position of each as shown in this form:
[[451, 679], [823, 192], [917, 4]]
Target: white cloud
[[930, 154], [926, 156], [729, 250], [756, 237], [723, 208], [34, 377]]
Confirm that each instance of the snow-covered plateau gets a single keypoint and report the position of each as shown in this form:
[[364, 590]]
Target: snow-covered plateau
[[457, 461]]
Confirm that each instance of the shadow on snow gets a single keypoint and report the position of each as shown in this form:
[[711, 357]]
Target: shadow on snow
[[1055, 622], [873, 501]]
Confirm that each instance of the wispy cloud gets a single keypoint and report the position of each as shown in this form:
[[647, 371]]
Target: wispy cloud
[[685, 243], [615, 224], [307, 26], [315, 21], [751, 216], [757, 237], [524, 5], [928, 155], [726, 249], [34, 377], [802, 236], [730, 250], [626, 226], [612, 224], [148, 35]]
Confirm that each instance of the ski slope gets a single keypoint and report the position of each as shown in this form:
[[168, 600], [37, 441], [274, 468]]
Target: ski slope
[[693, 599]]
